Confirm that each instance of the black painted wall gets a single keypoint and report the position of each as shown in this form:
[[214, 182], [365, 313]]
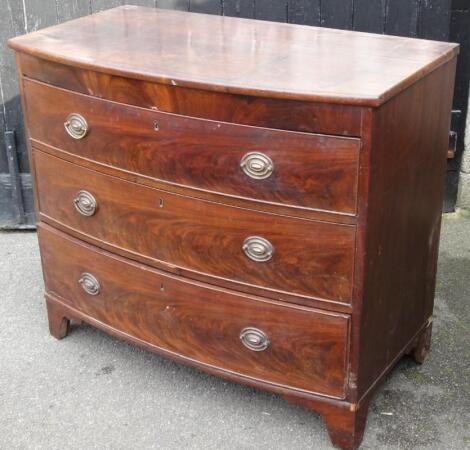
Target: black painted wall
[[429, 19], [459, 32]]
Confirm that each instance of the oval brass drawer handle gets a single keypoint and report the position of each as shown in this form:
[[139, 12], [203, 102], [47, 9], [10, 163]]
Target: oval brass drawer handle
[[254, 339], [89, 283], [258, 249], [85, 203], [76, 126], [257, 165]]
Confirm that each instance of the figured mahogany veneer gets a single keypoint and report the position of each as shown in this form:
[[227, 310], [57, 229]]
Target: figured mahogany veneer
[[261, 201], [179, 233], [282, 114], [317, 172], [307, 349]]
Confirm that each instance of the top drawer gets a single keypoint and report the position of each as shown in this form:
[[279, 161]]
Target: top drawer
[[281, 167]]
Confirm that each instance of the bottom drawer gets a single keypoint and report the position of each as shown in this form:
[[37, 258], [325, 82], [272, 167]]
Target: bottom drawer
[[286, 345]]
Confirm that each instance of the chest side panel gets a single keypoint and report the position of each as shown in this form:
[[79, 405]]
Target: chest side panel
[[407, 174]]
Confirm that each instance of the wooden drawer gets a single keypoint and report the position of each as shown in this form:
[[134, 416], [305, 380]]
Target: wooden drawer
[[308, 258], [280, 167], [305, 349]]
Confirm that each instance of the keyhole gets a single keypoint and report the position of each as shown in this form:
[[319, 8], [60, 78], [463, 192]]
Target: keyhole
[[156, 126], [160, 204], [162, 287]]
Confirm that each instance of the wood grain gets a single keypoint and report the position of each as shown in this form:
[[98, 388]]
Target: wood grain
[[256, 111], [407, 170], [266, 59], [318, 171], [307, 349], [240, 202], [311, 258], [375, 269], [345, 422]]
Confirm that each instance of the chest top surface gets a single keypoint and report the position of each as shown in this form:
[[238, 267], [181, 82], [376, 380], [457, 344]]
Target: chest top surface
[[240, 56]]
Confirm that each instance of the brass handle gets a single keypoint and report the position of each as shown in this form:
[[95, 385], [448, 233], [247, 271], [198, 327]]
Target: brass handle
[[85, 203], [254, 339], [76, 126], [257, 165], [258, 249], [89, 283]]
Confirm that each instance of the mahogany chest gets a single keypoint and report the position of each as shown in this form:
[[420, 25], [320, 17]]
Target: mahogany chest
[[259, 200]]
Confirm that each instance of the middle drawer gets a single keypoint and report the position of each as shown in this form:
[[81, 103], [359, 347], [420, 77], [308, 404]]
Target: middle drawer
[[183, 234]]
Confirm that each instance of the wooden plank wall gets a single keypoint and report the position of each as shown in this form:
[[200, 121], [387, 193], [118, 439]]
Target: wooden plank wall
[[459, 32], [422, 18]]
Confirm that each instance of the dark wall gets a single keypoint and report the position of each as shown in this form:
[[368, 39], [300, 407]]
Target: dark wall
[[459, 32], [429, 19]]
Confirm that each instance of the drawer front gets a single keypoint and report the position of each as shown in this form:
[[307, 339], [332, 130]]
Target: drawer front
[[281, 167], [303, 257], [290, 346]]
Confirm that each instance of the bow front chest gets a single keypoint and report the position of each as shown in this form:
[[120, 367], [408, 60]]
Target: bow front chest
[[259, 200]]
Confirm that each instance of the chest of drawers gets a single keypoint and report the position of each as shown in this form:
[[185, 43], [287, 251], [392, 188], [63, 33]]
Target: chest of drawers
[[261, 201]]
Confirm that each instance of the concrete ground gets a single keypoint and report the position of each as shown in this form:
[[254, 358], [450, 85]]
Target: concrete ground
[[91, 391]]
